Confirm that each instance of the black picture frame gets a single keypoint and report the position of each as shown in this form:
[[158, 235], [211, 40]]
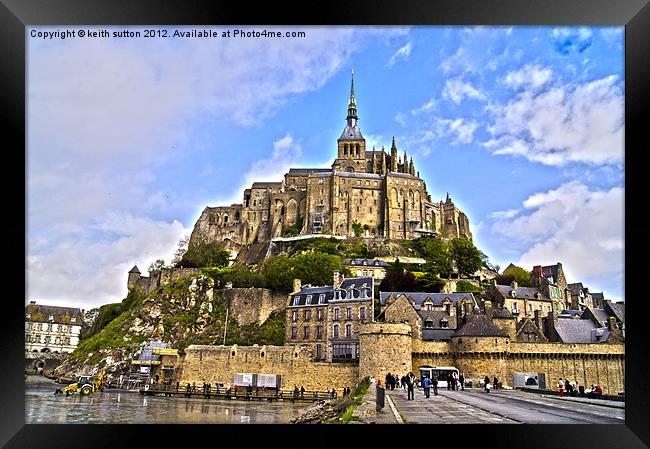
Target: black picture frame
[[15, 15]]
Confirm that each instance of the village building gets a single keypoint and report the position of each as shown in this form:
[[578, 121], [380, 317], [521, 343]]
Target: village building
[[579, 296], [375, 268], [51, 328]]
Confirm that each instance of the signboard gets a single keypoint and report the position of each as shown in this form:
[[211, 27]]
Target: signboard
[[245, 380], [268, 380], [529, 380]]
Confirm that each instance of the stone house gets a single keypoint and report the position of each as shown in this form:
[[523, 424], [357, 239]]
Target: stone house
[[375, 268], [326, 319], [52, 328], [521, 301], [579, 297], [550, 280]]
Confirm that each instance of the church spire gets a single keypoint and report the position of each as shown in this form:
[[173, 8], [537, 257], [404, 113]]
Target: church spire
[[352, 105]]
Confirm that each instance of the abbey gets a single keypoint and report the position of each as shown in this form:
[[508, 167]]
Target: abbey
[[378, 191]]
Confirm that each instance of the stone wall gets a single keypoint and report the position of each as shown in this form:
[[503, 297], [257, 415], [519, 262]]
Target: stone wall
[[221, 363], [252, 305]]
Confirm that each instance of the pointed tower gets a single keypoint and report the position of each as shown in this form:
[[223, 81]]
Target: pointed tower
[[351, 144], [374, 161], [406, 163], [393, 156], [412, 168], [383, 161]]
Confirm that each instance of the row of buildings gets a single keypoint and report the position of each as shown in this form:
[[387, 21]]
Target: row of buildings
[[52, 329]]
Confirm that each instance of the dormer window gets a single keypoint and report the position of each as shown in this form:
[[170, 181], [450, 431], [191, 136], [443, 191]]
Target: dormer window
[[443, 323], [538, 295], [50, 318], [513, 294], [428, 324], [353, 262], [321, 298], [309, 297], [73, 319], [365, 262]]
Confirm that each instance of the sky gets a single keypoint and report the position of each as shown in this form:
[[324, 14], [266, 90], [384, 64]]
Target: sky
[[129, 139]]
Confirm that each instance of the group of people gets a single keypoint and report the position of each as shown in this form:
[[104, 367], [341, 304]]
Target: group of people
[[455, 381], [571, 388], [487, 385], [409, 382]]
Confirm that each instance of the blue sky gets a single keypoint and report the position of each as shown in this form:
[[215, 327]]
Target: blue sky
[[129, 139]]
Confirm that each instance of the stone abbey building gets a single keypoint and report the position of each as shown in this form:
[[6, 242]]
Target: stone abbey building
[[381, 190]]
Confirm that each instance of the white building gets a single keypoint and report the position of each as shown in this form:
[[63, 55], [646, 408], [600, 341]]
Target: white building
[[51, 328]]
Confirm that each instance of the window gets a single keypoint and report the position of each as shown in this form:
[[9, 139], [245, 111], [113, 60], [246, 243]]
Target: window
[[319, 332], [428, 324], [550, 309], [309, 299], [376, 184], [307, 315], [306, 333], [367, 183], [320, 181], [348, 330], [541, 307], [27, 339], [358, 182], [320, 314], [67, 340], [514, 308], [47, 339], [362, 313], [49, 327], [294, 332], [348, 313], [337, 314], [443, 323], [319, 352], [336, 331], [29, 326], [530, 307], [321, 298], [294, 316], [51, 318], [57, 340]]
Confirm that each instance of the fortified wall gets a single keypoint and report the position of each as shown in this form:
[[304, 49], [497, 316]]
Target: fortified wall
[[390, 347], [253, 305], [219, 364]]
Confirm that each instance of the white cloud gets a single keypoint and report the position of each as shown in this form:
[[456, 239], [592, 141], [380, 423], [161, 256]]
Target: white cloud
[[579, 227], [457, 90], [571, 40], [562, 123], [530, 76], [503, 214], [460, 129], [103, 114], [426, 107], [401, 54]]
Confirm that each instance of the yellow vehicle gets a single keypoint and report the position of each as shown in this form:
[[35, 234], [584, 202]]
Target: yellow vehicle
[[84, 386]]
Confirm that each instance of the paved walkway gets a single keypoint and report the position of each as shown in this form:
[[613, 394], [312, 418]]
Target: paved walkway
[[441, 410], [368, 413]]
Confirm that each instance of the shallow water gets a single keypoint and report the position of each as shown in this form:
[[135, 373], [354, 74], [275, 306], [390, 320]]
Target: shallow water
[[42, 406]]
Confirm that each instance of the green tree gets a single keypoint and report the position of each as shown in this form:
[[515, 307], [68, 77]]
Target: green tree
[[399, 281], [203, 254], [311, 268], [357, 228], [466, 255], [430, 282], [436, 253], [465, 287], [157, 265], [515, 273]]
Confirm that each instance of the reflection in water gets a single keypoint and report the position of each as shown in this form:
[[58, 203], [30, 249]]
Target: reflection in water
[[42, 406]]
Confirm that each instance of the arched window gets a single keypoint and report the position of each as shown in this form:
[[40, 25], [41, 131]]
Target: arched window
[[348, 330], [336, 331]]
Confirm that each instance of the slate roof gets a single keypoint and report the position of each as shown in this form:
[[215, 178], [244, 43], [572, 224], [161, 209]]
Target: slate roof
[[598, 296], [134, 269], [437, 334], [501, 312], [420, 297], [521, 292], [366, 262], [580, 331], [301, 171], [346, 174], [356, 284], [572, 313], [479, 326], [617, 309], [60, 315], [351, 133], [601, 315], [436, 316], [266, 185]]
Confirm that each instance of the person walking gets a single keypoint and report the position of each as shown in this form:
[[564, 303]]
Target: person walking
[[403, 382], [426, 385], [487, 383], [496, 382], [410, 383], [396, 381], [434, 384], [461, 380], [560, 386]]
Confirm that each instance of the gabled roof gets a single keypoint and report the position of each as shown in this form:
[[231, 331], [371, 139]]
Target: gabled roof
[[521, 292], [580, 331], [366, 262], [479, 326], [575, 288], [598, 296], [134, 269], [419, 297], [618, 310]]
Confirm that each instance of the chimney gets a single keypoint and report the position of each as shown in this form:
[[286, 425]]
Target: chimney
[[611, 323], [538, 320], [537, 271], [337, 279], [488, 308], [296, 285], [513, 284], [459, 309]]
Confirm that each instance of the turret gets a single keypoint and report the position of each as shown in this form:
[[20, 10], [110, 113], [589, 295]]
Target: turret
[[134, 276], [383, 161], [393, 156]]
